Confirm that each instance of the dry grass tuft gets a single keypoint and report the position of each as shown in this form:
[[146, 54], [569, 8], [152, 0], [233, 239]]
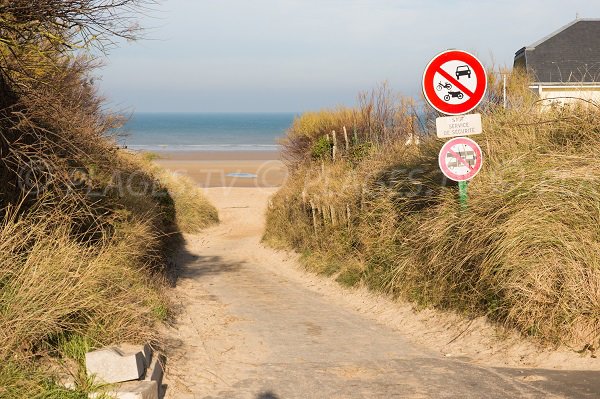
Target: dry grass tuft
[[52, 284], [193, 212]]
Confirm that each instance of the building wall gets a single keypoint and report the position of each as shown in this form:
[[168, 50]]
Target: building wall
[[568, 95]]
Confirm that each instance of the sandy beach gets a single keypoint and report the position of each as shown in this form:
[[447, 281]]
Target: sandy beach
[[227, 168]]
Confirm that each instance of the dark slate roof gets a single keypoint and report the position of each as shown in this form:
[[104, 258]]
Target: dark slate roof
[[569, 55]]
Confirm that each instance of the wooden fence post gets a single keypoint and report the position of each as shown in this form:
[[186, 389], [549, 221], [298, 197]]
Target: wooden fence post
[[333, 217], [314, 215], [346, 138], [322, 212], [334, 144]]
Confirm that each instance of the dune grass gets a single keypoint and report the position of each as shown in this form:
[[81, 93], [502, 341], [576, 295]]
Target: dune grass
[[193, 212], [64, 291], [85, 228], [526, 252]]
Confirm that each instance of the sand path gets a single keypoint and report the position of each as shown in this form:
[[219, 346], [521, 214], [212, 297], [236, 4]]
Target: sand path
[[252, 325]]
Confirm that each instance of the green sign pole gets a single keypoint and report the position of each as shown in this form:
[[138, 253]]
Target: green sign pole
[[462, 194]]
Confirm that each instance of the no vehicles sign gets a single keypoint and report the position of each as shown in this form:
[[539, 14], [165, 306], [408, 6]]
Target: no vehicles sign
[[454, 82], [460, 159]]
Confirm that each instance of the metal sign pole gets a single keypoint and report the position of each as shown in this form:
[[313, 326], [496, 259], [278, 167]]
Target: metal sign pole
[[454, 83], [462, 194]]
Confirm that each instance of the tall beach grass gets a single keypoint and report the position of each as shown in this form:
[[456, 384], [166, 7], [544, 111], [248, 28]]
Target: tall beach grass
[[526, 251], [85, 228]]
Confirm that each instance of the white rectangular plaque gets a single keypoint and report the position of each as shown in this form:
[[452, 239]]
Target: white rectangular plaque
[[459, 125]]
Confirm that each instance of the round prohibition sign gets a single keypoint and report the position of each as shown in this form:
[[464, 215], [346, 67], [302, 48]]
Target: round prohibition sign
[[460, 159], [454, 82]]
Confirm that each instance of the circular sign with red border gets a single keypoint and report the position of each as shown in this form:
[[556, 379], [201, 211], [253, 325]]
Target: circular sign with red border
[[454, 82], [460, 159]]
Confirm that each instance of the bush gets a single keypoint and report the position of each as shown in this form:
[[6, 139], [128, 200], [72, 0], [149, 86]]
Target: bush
[[380, 119], [321, 149]]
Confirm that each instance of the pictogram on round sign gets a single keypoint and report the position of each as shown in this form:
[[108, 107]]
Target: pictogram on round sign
[[454, 82], [460, 159]]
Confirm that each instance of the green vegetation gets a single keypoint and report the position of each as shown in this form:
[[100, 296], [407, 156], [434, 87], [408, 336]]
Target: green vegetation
[[18, 383], [85, 228], [526, 252]]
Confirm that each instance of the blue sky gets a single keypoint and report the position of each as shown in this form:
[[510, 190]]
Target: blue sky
[[298, 55]]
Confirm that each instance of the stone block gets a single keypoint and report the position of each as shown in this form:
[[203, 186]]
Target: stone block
[[131, 390], [156, 371], [146, 350], [111, 365]]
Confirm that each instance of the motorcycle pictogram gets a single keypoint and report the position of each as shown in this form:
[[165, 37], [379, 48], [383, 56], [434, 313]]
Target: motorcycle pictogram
[[447, 86], [453, 94]]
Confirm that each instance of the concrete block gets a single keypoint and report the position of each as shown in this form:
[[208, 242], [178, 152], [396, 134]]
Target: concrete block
[[111, 365], [156, 371], [131, 390], [146, 350]]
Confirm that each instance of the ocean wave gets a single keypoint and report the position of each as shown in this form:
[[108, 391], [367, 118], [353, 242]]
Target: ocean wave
[[204, 147]]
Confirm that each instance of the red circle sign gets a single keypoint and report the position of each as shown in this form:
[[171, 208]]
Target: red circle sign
[[460, 159], [454, 82]]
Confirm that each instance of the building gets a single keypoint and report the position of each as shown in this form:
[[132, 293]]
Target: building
[[565, 65]]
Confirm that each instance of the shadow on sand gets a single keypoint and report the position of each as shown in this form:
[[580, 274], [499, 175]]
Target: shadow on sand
[[190, 266]]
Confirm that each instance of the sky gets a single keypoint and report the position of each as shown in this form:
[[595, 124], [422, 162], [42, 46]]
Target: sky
[[300, 55]]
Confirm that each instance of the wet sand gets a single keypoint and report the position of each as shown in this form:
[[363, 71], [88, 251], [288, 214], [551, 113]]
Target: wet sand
[[227, 168]]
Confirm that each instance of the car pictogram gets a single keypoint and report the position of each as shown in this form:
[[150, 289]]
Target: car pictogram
[[463, 70]]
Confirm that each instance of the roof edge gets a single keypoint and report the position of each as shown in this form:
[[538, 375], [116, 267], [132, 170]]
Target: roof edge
[[520, 52], [565, 27]]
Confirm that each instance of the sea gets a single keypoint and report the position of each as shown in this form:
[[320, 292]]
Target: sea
[[205, 131]]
